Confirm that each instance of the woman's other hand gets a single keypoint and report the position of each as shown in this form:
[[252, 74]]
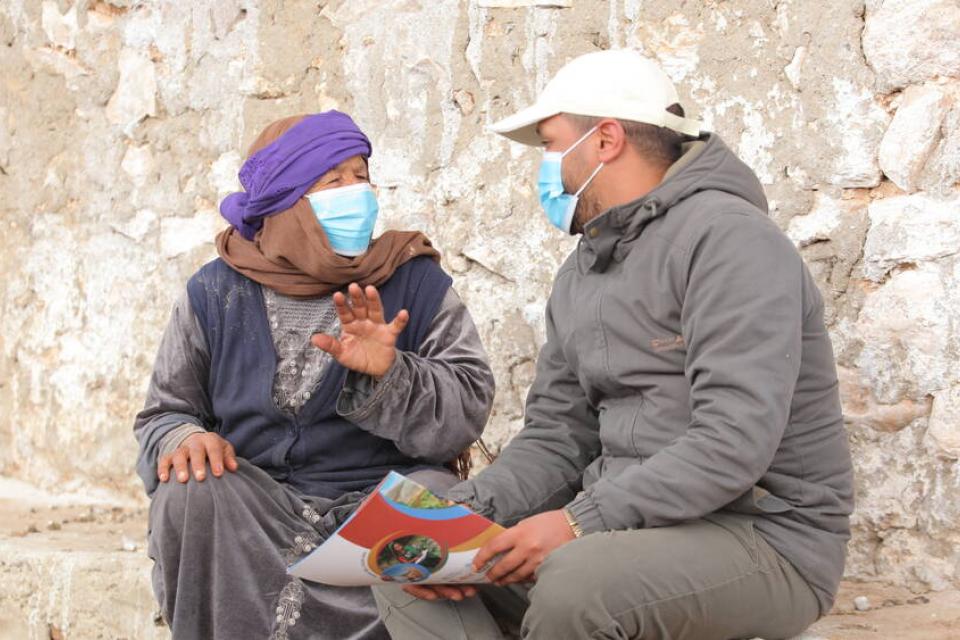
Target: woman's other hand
[[367, 341], [194, 453]]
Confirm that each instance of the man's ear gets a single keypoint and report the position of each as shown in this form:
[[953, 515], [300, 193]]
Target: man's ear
[[613, 140]]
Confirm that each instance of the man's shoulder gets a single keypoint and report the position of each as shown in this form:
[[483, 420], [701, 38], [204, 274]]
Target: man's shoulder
[[714, 214]]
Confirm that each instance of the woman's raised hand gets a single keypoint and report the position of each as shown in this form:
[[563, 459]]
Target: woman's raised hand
[[367, 341]]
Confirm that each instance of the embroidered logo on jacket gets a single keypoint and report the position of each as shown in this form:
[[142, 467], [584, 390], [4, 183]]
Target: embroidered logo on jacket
[[674, 343]]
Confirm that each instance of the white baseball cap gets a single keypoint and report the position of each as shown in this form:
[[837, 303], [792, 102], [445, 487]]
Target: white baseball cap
[[619, 83]]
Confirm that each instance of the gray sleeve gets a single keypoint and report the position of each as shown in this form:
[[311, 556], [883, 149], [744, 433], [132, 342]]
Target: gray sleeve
[[177, 394], [175, 437], [542, 467], [742, 323], [434, 403]]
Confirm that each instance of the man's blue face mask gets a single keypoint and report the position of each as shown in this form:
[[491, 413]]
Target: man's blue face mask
[[557, 204], [347, 215]]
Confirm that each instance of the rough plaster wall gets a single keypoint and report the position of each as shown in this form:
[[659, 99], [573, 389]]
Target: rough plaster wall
[[122, 124]]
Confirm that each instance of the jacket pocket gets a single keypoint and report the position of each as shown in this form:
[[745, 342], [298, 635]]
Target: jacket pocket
[[619, 422], [757, 502], [637, 433], [743, 530]]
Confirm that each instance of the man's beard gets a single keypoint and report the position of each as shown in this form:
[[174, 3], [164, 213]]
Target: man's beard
[[587, 209]]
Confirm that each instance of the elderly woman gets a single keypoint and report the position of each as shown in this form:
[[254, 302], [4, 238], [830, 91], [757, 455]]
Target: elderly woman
[[297, 370]]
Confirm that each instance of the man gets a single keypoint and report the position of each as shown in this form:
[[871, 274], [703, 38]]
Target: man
[[683, 471]]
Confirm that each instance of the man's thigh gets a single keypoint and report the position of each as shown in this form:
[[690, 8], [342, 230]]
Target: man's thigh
[[708, 579]]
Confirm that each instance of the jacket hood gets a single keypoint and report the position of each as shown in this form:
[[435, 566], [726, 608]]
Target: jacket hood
[[707, 164]]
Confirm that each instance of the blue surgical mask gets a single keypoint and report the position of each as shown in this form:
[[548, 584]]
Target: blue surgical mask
[[557, 204], [347, 215]]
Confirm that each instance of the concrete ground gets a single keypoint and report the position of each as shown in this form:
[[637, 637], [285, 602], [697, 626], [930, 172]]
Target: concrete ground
[[74, 567]]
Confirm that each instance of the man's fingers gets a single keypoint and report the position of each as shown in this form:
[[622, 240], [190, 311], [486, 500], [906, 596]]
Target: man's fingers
[[440, 591], [198, 460], [180, 465], [499, 544], [506, 565], [400, 322], [523, 573], [229, 456], [357, 301], [327, 343], [424, 593], [344, 312], [163, 467], [450, 592], [374, 305], [214, 451]]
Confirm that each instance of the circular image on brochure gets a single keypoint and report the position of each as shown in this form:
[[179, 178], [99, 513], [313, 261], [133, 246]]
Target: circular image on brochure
[[410, 558]]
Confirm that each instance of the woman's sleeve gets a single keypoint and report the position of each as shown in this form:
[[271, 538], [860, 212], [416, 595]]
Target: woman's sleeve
[[434, 403], [178, 403]]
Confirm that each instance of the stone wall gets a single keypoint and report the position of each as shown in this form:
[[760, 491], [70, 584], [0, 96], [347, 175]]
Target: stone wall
[[122, 124]]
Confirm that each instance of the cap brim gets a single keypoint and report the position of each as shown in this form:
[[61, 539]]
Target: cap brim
[[522, 126]]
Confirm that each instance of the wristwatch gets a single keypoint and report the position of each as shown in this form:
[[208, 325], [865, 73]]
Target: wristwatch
[[574, 525]]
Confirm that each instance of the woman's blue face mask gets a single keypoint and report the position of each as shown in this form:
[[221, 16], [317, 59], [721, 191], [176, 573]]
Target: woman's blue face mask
[[347, 215], [557, 203]]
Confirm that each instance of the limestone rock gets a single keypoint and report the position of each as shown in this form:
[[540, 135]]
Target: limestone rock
[[61, 30], [819, 224], [138, 163], [179, 235], [137, 228], [135, 96], [223, 173], [944, 427], [860, 408], [912, 135], [908, 230], [908, 335], [912, 41], [941, 175], [6, 141], [492, 4], [794, 70], [860, 123], [675, 43]]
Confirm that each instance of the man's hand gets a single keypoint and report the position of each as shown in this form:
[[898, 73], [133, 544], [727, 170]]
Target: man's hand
[[456, 592], [193, 453], [524, 547], [367, 342]]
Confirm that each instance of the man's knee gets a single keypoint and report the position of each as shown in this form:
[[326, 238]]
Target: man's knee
[[391, 597], [599, 582], [575, 591]]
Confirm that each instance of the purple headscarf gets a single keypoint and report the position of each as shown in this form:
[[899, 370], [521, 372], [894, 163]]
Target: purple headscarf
[[278, 175]]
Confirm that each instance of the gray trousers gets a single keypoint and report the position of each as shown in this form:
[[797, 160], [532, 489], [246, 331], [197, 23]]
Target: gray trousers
[[712, 579]]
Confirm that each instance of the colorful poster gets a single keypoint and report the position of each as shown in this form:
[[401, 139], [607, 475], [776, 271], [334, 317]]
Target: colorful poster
[[401, 533]]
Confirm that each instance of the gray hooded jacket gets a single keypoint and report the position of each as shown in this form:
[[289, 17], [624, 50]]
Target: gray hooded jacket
[[687, 370]]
